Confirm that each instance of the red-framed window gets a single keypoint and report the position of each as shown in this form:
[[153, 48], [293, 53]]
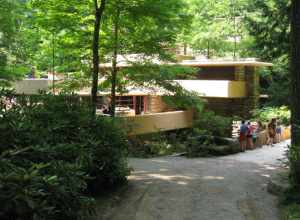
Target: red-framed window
[[137, 103]]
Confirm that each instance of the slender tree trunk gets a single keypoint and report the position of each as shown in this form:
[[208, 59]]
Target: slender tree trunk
[[234, 49], [295, 87], [114, 63], [185, 49], [53, 63], [208, 49], [295, 72], [98, 17], [233, 4]]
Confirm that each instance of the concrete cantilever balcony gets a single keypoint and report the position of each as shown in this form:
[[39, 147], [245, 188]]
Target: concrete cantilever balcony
[[156, 122], [205, 88], [215, 88], [32, 86]]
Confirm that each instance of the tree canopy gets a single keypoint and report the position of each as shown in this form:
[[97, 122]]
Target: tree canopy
[[38, 37]]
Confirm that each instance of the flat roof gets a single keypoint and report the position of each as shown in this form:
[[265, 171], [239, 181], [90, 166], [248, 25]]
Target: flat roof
[[217, 63], [130, 91], [201, 63]]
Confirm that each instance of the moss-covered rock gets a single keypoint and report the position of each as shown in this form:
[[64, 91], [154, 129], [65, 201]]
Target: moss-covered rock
[[205, 145]]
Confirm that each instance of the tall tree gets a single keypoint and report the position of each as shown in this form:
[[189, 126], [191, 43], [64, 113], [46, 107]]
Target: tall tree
[[216, 28], [77, 35], [65, 27], [12, 60], [142, 28], [295, 80], [99, 10], [116, 21], [268, 23]]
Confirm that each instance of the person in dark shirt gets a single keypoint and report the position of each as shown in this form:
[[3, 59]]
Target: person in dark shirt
[[250, 132], [243, 135], [107, 110], [278, 131], [271, 131]]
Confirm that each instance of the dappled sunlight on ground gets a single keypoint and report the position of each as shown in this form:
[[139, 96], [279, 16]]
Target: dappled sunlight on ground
[[213, 178], [165, 177], [266, 175], [231, 187], [163, 170], [161, 175], [159, 161], [268, 167]]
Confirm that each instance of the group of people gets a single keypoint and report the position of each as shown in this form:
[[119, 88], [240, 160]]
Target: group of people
[[248, 134]]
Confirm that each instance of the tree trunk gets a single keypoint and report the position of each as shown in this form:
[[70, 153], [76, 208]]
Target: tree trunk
[[208, 49], [185, 49], [295, 71], [53, 63], [235, 35], [295, 84], [98, 17], [114, 63]]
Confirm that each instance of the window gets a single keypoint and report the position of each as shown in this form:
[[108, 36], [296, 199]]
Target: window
[[136, 103]]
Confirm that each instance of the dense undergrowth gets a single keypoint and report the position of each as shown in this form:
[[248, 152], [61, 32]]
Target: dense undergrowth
[[205, 138], [55, 156], [290, 204], [158, 144], [282, 114]]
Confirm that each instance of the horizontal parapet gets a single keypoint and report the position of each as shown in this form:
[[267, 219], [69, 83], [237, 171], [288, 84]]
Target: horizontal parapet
[[215, 88], [32, 86], [165, 121]]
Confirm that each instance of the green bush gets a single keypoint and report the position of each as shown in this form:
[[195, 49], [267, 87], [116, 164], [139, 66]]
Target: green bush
[[208, 126], [208, 123], [265, 115], [206, 145], [108, 154], [290, 204], [67, 152], [291, 212], [43, 191], [158, 144], [207, 137]]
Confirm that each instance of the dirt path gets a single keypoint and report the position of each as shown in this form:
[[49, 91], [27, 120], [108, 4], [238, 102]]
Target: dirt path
[[171, 188]]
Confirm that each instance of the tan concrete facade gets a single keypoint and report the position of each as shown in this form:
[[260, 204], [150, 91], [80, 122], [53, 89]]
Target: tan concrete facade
[[244, 84], [156, 104], [230, 88], [151, 123], [31, 86]]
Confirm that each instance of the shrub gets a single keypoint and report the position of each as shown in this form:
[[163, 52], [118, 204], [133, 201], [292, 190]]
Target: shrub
[[204, 145], [206, 138], [158, 144], [208, 123], [67, 152], [108, 152], [43, 191], [290, 204], [283, 114], [208, 126]]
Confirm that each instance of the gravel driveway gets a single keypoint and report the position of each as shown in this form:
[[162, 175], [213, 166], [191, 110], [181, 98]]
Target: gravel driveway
[[232, 187]]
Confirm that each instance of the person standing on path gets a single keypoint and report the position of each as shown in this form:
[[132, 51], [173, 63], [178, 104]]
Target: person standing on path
[[278, 133], [243, 135], [271, 131], [257, 141], [250, 131]]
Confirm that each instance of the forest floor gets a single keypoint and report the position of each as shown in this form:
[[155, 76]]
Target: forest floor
[[170, 188]]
